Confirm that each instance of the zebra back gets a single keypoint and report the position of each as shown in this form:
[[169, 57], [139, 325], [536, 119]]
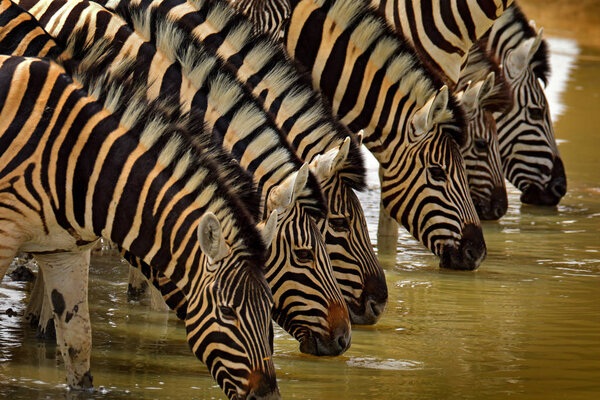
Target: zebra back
[[528, 148], [121, 170]]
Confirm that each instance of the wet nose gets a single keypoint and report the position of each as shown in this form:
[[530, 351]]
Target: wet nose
[[558, 184], [373, 301], [558, 187], [499, 203], [472, 247], [469, 253], [262, 387], [339, 328]]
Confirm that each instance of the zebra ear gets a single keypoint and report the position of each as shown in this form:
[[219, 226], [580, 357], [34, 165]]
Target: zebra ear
[[327, 164], [432, 112], [284, 194], [488, 86], [520, 58], [211, 238], [360, 136], [268, 228]]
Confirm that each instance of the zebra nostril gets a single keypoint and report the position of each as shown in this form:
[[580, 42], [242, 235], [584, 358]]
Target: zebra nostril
[[558, 187], [342, 342]]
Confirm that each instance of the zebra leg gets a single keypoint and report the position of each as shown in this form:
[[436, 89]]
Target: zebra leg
[[387, 230], [66, 282], [9, 245], [157, 302], [36, 298], [39, 312], [45, 328], [138, 285]]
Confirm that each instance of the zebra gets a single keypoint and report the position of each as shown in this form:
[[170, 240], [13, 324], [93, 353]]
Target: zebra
[[482, 93], [375, 82], [445, 33], [528, 148], [72, 171], [266, 70], [310, 307]]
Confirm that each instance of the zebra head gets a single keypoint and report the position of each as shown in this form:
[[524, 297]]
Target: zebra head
[[527, 145], [228, 319], [307, 301], [356, 268], [424, 185], [480, 148]]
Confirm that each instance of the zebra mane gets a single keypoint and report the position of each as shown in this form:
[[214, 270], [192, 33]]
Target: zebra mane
[[393, 52], [269, 52], [541, 59], [91, 60], [226, 91], [475, 69], [162, 123]]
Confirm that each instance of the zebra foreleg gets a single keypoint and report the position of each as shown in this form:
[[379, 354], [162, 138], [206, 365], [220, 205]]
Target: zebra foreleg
[[66, 282], [138, 285], [39, 311], [387, 229]]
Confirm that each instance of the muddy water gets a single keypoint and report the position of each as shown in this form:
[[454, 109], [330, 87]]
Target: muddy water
[[525, 325]]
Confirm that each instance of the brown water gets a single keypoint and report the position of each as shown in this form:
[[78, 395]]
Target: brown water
[[525, 325]]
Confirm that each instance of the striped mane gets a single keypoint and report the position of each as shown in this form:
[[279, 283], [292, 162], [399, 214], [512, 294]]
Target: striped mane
[[205, 70], [393, 52], [90, 62], [271, 54], [124, 97]]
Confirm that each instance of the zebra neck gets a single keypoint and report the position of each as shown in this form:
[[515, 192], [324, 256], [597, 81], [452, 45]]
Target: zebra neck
[[442, 32]]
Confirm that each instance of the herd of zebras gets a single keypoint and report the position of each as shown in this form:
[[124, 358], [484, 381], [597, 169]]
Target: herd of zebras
[[218, 145]]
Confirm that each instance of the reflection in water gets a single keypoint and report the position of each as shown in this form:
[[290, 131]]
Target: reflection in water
[[526, 324]]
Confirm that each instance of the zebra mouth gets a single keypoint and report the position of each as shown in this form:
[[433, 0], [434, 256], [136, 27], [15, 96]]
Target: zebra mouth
[[314, 345], [535, 195], [370, 306], [468, 254]]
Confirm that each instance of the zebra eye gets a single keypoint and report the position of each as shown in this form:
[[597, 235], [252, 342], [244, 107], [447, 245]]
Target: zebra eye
[[437, 173], [227, 313], [536, 113], [304, 255], [339, 224], [481, 145]]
